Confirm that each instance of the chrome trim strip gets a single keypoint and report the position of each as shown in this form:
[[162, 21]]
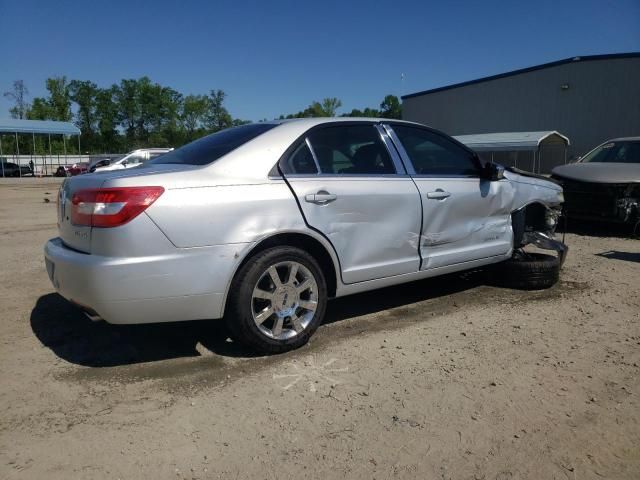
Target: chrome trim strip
[[391, 149], [449, 175], [313, 154], [353, 176], [403, 153]]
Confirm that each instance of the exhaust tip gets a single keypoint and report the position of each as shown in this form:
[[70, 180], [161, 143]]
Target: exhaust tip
[[90, 313]]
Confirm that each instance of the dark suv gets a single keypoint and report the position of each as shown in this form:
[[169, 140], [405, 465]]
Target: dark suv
[[9, 169]]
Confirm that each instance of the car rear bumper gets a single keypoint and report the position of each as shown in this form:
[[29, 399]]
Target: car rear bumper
[[187, 285]]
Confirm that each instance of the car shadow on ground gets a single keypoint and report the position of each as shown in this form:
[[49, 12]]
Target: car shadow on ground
[[616, 255], [64, 329]]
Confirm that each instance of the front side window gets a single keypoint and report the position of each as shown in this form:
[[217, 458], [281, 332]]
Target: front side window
[[615, 152], [350, 149], [212, 147], [433, 154]]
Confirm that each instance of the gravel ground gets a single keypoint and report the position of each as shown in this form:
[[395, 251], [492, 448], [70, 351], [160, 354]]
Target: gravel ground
[[441, 379]]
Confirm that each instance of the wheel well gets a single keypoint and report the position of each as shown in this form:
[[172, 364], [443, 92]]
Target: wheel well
[[306, 243], [526, 219]]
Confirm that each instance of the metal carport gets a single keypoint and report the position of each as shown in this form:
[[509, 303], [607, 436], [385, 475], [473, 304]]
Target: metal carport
[[37, 127], [536, 152]]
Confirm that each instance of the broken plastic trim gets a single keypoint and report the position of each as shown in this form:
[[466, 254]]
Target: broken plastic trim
[[546, 242], [629, 207]]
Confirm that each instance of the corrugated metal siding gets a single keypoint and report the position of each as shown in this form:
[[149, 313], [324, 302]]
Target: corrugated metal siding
[[602, 102]]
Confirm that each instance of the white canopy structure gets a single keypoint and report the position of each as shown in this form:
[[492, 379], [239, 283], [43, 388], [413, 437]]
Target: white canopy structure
[[12, 125], [36, 127], [534, 151]]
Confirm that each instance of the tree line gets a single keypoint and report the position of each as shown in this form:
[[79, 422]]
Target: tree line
[[137, 113]]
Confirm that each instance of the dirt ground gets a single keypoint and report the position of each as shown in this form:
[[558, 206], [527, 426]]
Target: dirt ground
[[440, 379]]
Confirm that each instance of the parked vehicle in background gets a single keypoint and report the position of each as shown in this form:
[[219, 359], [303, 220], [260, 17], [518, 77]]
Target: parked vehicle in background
[[261, 224], [10, 169], [131, 159], [72, 170], [605, 183]]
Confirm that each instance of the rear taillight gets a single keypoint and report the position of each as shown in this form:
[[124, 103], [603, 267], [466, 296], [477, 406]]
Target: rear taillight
[[111, 207]]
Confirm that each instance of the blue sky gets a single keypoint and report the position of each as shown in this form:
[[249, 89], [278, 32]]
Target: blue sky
[[274, 57]]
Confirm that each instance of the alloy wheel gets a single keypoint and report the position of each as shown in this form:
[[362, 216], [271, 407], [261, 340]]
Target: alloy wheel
[[284, 300]]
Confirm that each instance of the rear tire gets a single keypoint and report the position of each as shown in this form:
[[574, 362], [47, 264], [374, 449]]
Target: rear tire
[[526, 271], [277, 300]]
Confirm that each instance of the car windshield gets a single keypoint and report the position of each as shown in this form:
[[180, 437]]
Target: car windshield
[[615, 152], [210, 148]]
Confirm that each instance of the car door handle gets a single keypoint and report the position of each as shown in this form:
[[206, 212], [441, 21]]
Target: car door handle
[[438, 195], [320, 198]]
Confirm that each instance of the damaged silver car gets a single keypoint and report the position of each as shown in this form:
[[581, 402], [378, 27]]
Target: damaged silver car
[[605, 183], [261, 224]]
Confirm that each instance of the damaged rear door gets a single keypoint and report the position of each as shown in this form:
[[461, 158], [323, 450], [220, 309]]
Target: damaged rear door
[[465, 217], [354, 190]]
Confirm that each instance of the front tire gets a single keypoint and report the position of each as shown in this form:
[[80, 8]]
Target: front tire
[[526, 271], [277, 300]]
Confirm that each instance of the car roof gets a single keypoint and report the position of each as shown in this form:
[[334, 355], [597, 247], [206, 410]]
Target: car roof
[[312, 121], [623, 139]]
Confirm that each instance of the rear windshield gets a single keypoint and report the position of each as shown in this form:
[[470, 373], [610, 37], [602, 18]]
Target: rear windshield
[[615, 152], [210, 148]]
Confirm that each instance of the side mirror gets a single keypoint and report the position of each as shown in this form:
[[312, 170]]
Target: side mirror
[[493, 171]]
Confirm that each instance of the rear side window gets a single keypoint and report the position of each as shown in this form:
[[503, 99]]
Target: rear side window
[[210, 148], [300, 161], [352, 149], [433, 154], [343, 149]]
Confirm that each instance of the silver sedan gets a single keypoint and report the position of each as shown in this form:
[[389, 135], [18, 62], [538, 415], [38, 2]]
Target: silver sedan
[[262, 223]]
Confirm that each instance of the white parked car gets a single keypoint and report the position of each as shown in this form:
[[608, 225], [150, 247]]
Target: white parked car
[[131, 159], [261, 224]]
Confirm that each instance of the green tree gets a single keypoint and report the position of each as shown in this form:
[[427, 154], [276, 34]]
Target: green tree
[[126, 99], [367, 112], [84, 95], [390, 107], [193, 116], [330, 106], [326, 108], [57, 106], [218, 117], [131, 114], [18, 95], [40, 109], [238, 121], [59, 98], [107, 118]]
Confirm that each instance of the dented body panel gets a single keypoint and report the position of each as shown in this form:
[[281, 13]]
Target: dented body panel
[[472, 223], [224, 214], [372, 224], [176, 261]]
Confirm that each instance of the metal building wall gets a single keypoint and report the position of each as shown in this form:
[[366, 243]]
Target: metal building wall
[[602, 102]]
